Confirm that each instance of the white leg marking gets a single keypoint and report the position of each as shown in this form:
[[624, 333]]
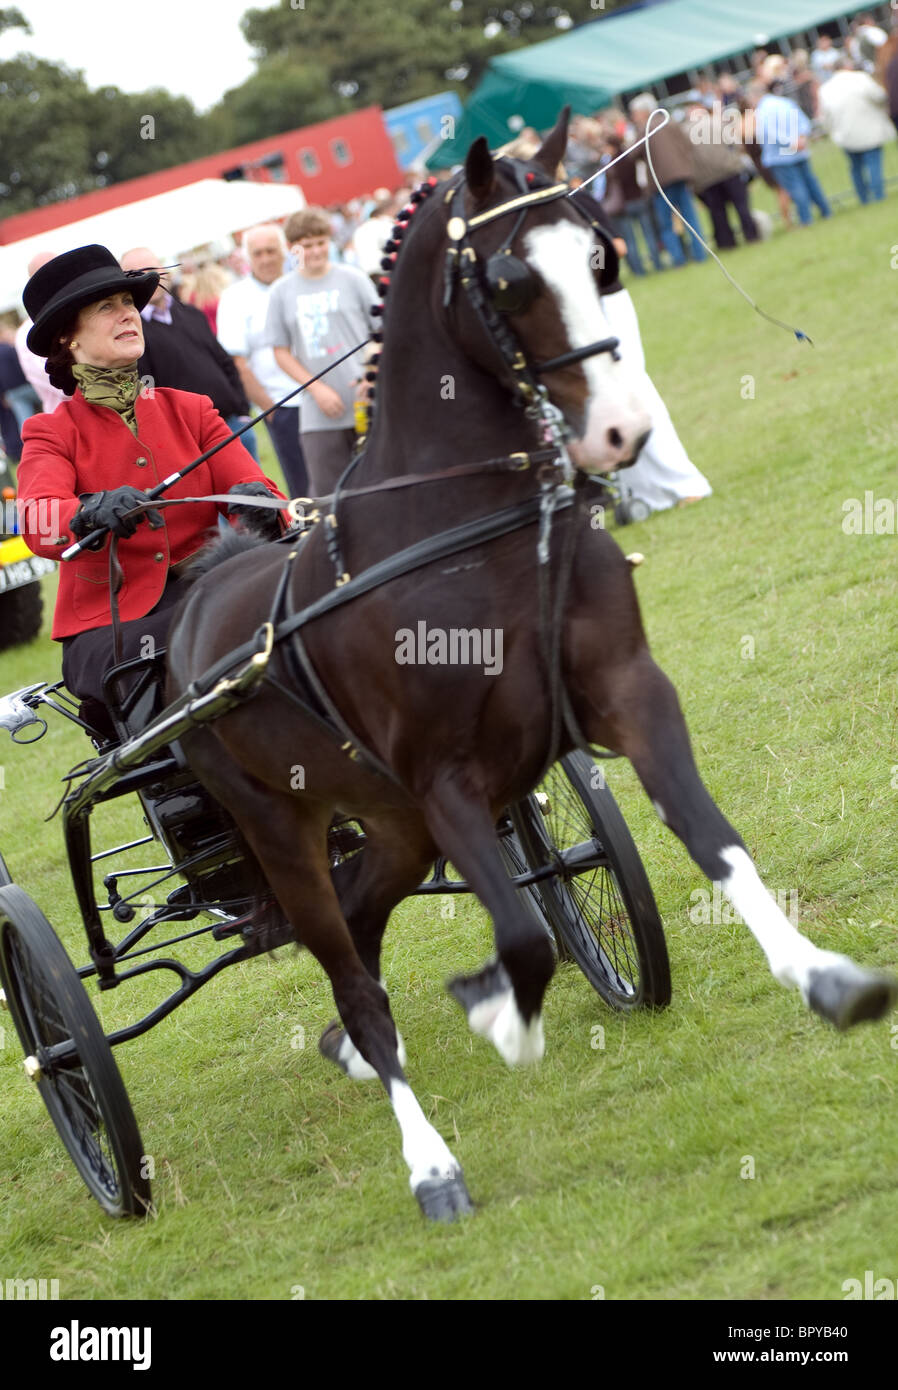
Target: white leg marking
[[427, 1156], [659, 812], [790, 955], [353, 1062], [498, 1018]]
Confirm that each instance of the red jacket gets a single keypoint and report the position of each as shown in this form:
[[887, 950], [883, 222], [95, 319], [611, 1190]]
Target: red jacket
[[89, 448]]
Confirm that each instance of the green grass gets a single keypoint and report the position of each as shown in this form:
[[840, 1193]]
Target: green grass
[[618, 1167]]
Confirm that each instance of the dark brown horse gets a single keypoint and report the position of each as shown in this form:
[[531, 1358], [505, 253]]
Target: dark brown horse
[[446, 674]]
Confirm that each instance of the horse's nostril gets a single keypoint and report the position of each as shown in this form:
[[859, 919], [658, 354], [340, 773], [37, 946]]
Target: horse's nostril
[[615, 438]]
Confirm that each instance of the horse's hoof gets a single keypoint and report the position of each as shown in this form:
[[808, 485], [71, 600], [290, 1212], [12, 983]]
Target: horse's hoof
[[444, 1199], [330, 1042], [337, 1046], [845, 994], [490, 983]]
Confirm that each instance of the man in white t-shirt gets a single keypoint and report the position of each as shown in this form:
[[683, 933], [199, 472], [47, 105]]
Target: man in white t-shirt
[[242, 315], [315, 315], [369, 237]]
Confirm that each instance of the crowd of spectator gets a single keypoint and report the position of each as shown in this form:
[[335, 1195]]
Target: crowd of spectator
[[205, 330], [728, 132]]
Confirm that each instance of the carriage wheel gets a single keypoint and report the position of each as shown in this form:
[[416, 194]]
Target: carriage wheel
[[515, 859], [85, 1095], [599, 902]]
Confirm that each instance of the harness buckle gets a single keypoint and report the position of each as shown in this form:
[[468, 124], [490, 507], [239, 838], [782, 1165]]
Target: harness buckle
[[522, 463], [344, 579], [296, 510], [261, 658]]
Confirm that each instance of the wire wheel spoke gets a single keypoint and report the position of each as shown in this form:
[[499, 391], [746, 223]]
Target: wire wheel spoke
[[83, 1091], [599, 903]]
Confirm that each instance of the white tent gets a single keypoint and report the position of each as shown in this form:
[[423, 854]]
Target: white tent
[[169, 223]]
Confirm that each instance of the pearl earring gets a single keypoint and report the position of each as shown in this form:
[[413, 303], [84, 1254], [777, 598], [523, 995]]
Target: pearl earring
[[73, 343]]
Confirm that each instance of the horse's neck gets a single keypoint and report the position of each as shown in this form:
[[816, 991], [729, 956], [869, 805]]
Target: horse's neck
[[436, 409]]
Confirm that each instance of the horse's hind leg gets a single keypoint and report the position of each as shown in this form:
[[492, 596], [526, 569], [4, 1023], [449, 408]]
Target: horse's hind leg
[[503, 1001], [288, 834], [642, 719], [396, 856]]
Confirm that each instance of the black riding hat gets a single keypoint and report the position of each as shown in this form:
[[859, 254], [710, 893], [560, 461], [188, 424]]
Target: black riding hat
[[67, 283]]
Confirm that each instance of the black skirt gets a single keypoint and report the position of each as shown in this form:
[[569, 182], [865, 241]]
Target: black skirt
[[88, 656]]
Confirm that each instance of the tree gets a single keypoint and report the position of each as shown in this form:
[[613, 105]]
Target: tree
[[317, 60], [58, 138], [13, 19]]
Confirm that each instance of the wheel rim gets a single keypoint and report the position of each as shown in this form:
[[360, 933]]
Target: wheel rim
[[67, 1091], [588, 888]]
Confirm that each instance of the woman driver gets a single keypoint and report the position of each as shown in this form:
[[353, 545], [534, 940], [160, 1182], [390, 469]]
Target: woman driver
[[93, 460]]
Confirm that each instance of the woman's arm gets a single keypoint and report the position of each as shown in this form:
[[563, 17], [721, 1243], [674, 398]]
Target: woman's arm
[[47, 500]]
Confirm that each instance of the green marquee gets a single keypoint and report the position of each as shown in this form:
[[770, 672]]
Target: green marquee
[[617, 53]]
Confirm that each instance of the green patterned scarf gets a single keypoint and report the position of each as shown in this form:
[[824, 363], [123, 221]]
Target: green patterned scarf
[[116, 387]]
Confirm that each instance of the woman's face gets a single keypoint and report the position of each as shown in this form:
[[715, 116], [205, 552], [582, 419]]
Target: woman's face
[[109, 333]]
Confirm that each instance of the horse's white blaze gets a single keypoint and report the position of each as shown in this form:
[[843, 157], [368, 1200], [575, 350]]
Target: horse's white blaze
[[354, 1063], [498, 1019], [562, 254], [790, 955], [426, 1154]]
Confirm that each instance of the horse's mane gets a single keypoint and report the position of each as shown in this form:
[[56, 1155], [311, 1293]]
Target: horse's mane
[[221, 547]]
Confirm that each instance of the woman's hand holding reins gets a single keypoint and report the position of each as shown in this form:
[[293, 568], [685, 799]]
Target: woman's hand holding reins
[[108, 511]]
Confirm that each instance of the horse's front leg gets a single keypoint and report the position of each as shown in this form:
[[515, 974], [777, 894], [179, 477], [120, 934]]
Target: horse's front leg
[[641, 718], [503, 1001]]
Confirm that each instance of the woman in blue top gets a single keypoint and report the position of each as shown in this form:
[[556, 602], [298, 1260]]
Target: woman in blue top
[[782, 130]]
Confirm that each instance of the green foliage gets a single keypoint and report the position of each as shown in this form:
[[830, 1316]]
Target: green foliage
[[381, 53], [58, 138], [11, 18]]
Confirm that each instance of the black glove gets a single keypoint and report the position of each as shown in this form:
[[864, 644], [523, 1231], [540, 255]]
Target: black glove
[[107, 510], [261, 521]]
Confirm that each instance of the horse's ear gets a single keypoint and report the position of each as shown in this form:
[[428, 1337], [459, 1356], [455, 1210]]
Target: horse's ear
[[479, 171], [551, 151]]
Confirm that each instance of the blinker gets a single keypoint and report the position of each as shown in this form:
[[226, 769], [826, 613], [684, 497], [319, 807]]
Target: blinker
[[512, 284]]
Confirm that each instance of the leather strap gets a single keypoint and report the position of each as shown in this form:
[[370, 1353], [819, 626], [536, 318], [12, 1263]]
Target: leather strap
[[413, 557]]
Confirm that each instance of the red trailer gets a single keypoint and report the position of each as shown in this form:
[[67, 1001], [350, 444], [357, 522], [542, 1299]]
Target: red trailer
[[332, 162]]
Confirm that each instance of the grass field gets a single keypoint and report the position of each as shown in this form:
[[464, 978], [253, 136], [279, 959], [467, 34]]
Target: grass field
[[626, 1167]]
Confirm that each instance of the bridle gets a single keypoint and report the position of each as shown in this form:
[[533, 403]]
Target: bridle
[[506, 285]]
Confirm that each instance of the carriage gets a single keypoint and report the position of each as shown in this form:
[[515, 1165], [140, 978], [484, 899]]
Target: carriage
[[566, 847]]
